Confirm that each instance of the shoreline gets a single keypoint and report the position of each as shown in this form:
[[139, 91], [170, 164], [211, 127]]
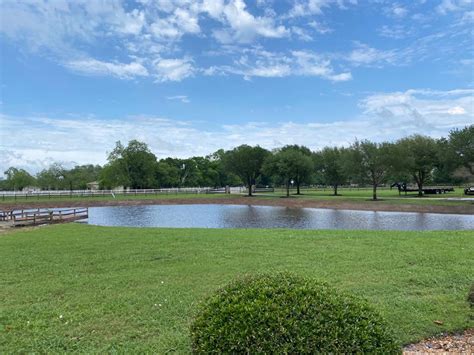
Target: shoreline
[[255, 200]]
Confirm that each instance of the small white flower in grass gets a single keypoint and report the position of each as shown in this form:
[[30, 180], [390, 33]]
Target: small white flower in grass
[[60, 316], [28, 322], [159, 304], [162, 282]]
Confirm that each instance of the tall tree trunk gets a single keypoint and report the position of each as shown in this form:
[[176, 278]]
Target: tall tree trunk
[[420, 189], [249, 182], [335, 190], [288, 188], [298, 187], [419, 182], [374, 193]]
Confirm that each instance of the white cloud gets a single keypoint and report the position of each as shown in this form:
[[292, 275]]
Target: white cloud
[[261, 63], [319, 27], [397, 11], [316, 7], [242, 25], [173, 69], [134, 38], [457, 110], [433, 110], [301, 33], [385, 116], [182, 21], [183, 98], [395, 32], [96, 67], [311, 64], [366, 55], [58, 25], [447, 6]]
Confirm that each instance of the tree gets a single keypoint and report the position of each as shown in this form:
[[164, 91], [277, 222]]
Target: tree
[[287, 164], [372, 162], [167, 174], [418, 156], [302, 166], [78, 177], [18, 179], [461, 147], [131, 166], [225, 177], [331, 164], [246, 162], [51, 178]]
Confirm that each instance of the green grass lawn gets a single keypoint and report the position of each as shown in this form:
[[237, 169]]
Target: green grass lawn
[[355, 195], [93, 289], [108, 197], [364, 195]]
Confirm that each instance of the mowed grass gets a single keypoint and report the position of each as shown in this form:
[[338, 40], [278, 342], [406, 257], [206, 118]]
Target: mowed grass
[[108, 197], [385, 195], [95, 289], [353, 195]]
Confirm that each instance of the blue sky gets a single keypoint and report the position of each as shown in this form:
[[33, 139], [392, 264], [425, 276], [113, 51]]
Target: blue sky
[[190, 77]]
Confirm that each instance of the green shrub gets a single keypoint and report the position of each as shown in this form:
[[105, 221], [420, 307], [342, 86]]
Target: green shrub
[[284, 313]]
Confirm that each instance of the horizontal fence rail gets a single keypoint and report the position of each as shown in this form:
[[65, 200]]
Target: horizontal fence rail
[[42, 216], [102, 193], [8, 195]]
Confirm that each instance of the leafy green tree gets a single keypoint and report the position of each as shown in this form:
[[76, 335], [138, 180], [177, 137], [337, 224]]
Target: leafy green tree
[[207, 172], [246, 162], [51, 178], [289, 163], [3, 184], [225, 177], [131, 166], [331, 165], [281, 166], [78, 177], [372, 162], [18, 179], [418, 156], [461, 147], [302, 166], [167, 174], [186, 172]]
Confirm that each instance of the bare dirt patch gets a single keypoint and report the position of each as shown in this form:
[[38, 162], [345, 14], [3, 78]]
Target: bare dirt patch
[[257, 201], [453, 344]]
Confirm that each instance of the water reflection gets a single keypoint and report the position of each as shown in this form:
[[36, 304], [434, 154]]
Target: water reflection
[[241, 216]]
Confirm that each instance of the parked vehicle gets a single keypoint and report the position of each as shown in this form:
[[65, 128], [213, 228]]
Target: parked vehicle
[[469, 191]]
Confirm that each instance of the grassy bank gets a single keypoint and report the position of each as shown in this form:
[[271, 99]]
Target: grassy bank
[[108, 197], [364, 196], [78, 287], [351, 195]]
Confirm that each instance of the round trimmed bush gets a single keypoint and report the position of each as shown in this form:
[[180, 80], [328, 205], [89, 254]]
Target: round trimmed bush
[[284, 313]]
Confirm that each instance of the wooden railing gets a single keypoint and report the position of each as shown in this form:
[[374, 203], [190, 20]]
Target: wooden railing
[[41, 216]]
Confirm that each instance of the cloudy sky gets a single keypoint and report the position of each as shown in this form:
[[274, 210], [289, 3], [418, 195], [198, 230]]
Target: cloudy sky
[[191, 76]]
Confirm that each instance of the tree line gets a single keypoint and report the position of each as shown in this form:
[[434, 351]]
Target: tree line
[[416, 159]]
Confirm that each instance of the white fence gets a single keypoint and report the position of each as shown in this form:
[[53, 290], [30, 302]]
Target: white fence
[[66, 193], [127, 192]]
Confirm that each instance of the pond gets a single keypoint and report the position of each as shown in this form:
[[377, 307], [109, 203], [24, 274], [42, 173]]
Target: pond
[[247, 216]]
